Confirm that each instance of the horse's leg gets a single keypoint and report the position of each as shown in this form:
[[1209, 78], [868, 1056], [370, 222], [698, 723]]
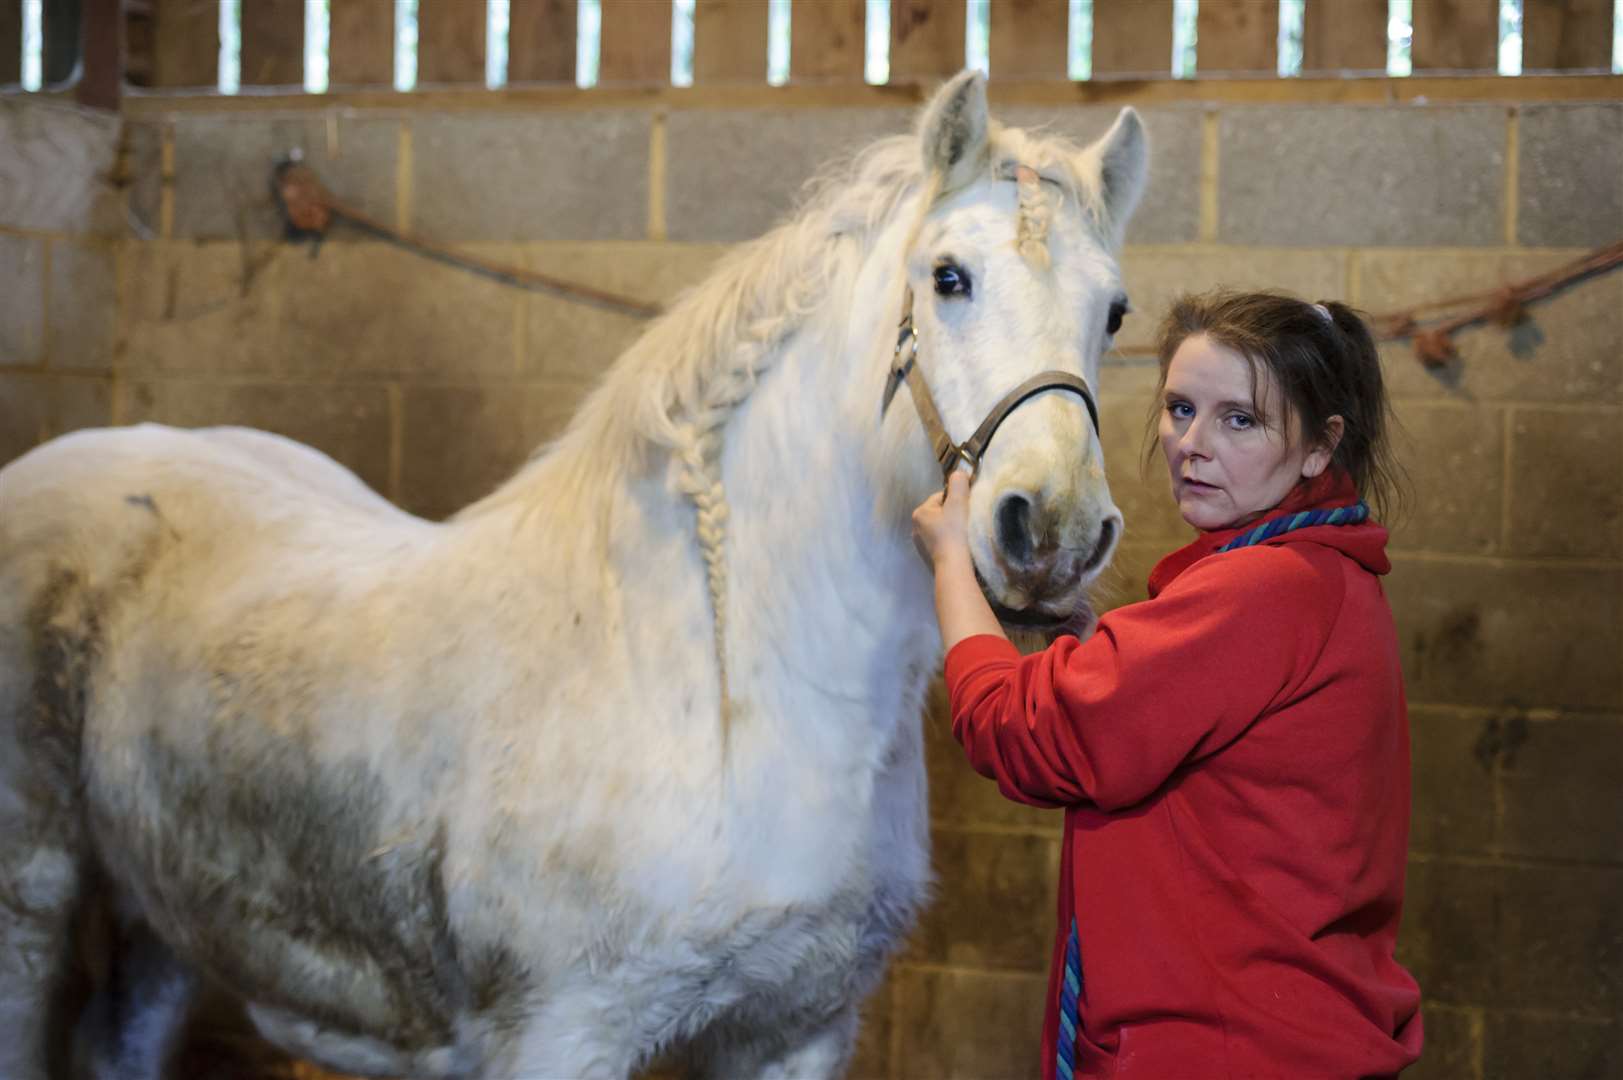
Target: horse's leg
[[131, 1028], [581, 1032], [819, 1054]]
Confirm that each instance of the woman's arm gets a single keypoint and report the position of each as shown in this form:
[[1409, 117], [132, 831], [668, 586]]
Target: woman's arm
[[941, 529]]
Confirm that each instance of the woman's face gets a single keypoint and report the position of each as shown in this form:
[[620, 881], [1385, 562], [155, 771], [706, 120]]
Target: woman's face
[[1226, 467]]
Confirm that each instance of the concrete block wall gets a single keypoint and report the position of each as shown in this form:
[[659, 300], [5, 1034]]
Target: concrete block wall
[[433, 384]]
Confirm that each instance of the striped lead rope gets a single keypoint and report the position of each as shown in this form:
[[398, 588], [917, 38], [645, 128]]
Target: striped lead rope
[[1070, 1007], [1341, 515]]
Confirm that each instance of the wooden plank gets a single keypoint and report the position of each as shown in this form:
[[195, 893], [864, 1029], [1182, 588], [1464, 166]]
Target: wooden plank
[[541, 41], [1344, 35], [926, 39], [185, 43], [1456, 35], [1238, 37], [451, 42], [273, 43], [59, 48], [1566, 35], [827, 40], [102, 82], [360, 43], [729, 41], [635, 43], [1132, 37], [1029, 39], [11, 42]]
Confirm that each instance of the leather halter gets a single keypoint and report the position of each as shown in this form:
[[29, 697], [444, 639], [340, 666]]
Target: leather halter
[[905, 368]]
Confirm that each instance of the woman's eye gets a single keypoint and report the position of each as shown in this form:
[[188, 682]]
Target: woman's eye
[[1118, 312], [951, 280], [1180, 410], [1240, 421]]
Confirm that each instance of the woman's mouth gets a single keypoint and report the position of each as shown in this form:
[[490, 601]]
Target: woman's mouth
[[1197, 485]]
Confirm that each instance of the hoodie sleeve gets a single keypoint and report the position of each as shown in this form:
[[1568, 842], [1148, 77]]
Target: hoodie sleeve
[[1159, 684]]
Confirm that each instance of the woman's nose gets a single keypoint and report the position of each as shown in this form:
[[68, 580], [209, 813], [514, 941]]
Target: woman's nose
[[1193, 441]]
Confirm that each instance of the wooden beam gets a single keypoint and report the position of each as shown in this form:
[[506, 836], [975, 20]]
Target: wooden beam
[[1238, 37], [102, 82], [185, 43], [828, 40], [451, 42], [729, 41], [1566, 35], [541, 41], [1029, 39], [273, 43], [59, 50], [1456, 35], [1344, 35], [1132, 37], [635, 42], [360, 43], [11, 43], [926, 39]]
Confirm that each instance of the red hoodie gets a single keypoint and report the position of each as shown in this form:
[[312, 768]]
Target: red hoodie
[[1233, 759]]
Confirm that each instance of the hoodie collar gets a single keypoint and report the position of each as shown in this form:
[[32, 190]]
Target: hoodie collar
[[1364, 543]]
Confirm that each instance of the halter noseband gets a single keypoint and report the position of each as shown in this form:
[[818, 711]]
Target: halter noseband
[[948, 453]]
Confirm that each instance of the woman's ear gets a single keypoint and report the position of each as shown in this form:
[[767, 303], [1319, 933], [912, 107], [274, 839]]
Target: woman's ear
[[1319, 459]]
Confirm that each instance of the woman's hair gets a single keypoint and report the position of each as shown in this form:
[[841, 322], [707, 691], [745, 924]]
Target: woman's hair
[[1323, 358]]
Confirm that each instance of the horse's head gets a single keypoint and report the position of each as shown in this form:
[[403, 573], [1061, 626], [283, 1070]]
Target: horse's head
[[1013, 275]]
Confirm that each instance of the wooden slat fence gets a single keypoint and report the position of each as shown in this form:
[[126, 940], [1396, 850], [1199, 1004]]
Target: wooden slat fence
[[176, 43]]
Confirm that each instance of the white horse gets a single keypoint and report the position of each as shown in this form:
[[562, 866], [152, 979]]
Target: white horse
[[481, 798]]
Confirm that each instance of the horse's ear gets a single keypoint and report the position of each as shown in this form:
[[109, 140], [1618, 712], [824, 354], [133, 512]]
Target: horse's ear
[[1122, 159], [953, 131]]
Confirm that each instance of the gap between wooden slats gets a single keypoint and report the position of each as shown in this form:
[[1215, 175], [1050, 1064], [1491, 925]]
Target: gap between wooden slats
[[451, 42], [729, 41], [360, 43]]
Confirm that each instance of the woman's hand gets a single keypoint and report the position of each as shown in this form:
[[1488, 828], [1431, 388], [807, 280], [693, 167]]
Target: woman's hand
[[941, 523]]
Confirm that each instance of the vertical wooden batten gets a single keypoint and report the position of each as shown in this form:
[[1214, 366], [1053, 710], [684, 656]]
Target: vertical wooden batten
[[101, 84], [451, 43], [1456, 35], [1132, 38], [729, 41], [541, 41], [635, 42], [185, 43], [926, 40], [1566, 35], [1344, 36], [828, 41], [1237, 37], [360, 43], [273, 43], [11, 43], [1029, 40]]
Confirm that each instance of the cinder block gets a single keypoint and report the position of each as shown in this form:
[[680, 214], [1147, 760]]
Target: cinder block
[[1170, 210], [35, 408], [1565, 353], [1450, 938], [1521, 1045], [969, 1025], [1361, 176], [1140, 488], [1155, 279], [1452, 756], [348, 423], [1566, 487], [1561, 940], [223, 167], [462, 442], [1454, 459], [570, 339], [354, 310], [734, 174], [959, 796], [1509, 635], [56, 165], [22, 301], [994, 906], [1452, 1045], [1562, 788], [82, 306], [521, 177], [1570, 179]]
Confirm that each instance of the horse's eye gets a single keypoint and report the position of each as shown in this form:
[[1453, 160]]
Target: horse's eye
[[951, 280], [1118, 311]]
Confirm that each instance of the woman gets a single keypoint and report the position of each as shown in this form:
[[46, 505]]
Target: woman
[[1232, 753]]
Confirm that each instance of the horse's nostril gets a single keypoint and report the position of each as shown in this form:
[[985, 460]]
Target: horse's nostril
[[1014, 528], [1107, 534]]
